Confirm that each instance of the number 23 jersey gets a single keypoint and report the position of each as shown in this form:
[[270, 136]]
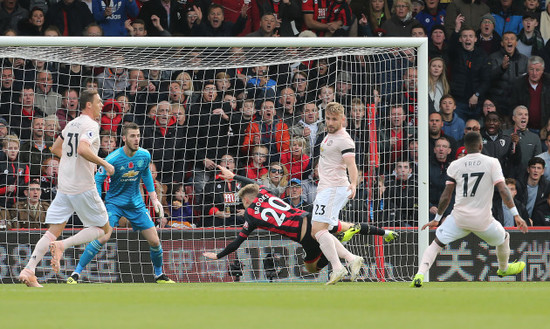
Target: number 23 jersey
[[76, 174], [475, 176], [270, 213]]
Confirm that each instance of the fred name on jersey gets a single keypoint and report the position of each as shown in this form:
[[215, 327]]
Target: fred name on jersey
[[472, 163]]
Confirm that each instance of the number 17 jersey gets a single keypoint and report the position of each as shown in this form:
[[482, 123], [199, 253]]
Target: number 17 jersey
[[76, 174], [270, 213], [475, 176]]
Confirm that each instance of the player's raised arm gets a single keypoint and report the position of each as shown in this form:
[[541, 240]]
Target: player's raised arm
[[509, 202]]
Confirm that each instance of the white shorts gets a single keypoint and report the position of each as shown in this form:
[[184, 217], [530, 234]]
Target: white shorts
[[328, 203], [87, 205], [448, 232]]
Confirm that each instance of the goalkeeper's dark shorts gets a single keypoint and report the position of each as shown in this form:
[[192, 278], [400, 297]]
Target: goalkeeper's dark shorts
[[311, 247]]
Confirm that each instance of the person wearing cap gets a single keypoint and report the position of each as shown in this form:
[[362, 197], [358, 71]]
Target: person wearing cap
[[401, 21], [469, 12], [487, 38], [507, 16], [294, 196], [112, 116], [437, 45], [432, 14], [417, 6], [440, 159], [531, 42], [507, 65]]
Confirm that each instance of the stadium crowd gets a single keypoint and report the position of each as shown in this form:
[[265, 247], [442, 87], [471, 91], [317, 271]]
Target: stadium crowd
[[487, 73]]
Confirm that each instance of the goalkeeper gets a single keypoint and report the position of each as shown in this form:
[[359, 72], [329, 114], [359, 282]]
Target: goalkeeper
[[266, 211], [123, 198]]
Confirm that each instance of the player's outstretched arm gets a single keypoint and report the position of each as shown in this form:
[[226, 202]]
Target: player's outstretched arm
[[444, 201], [509, 202], [234, 245]]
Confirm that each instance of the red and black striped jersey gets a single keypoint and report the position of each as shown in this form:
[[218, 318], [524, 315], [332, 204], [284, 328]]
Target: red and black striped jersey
[[270, 213], [319, 9]]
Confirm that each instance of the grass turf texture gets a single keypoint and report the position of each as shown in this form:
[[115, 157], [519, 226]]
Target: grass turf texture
[[277, 305]]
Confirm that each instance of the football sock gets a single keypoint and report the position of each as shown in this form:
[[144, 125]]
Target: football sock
[[86, 235], [156, 258], [89, 253], [503, 253], [367, 229], [326, 243], [41, 248], [429, 257], [342, 251]]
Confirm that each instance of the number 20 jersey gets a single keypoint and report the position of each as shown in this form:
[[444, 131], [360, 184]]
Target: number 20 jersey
[[270, 213], [475, 176], [76, 174]]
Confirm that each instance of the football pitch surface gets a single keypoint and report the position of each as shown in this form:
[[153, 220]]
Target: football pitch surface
[[462, 305]]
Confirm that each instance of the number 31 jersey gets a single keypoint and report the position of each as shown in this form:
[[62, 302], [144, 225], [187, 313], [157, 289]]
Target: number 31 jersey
[[76, 174], [475, 176], [270, 213]]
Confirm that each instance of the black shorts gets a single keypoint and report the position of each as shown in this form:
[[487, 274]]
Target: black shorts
[[311, 247]]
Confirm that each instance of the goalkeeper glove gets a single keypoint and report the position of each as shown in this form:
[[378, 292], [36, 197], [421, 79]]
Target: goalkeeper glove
[[159, 209]]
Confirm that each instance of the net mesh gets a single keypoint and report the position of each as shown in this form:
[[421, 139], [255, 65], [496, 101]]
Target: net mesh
[[196, 107]]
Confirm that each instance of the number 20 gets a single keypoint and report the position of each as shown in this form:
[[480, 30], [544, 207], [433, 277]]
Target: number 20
[[277, 204]]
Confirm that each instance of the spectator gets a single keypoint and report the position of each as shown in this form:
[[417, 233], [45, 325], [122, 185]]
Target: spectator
[[34, 151], [269, 131], [22, 116], [358, 130], [161, 195], [488, 39], [163, 17], [529, 142], [31, 212], [136, 28], [288, 14], [107, 143], [507, 16], [10, 14], [453, 125], [503, 214], [93, 30], [470, 71], [295, 197], [437, 45], [533, 91], [546, 157], [9, 92], [417, 6], [69, 107], [402, 21], [223, 82], [34, 24], [240, 121], [469, 12], [232, 11], [419, 31], [507, 65], [471, 125], [325, 96], [498, 145], [112, 116], [315, 17], [433, 14], [268, 25], [48, 180], [489, 106], [339, 12], [439, 162], [276, 180], [533, 191], [545, 22], [141, 92], [371, 17], [394, 136], [286, 107], [531, 42], [400, 197], [13, 174], [256, 167], [181, 211], [436, 132], [4, 131], [69, 16], [296, 162], [220, 203], [260, 85], [343, 88], [112, 15], [45, 97], [215, 24], [300, 86], [437, 82], [532, 7], [112, 81], [310, 128], [71, 76]]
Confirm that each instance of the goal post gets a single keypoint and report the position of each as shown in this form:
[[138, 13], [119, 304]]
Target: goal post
[[366, 71]]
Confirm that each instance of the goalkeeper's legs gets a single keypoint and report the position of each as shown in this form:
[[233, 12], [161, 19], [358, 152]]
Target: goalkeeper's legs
[[92, 249], [155, 249]]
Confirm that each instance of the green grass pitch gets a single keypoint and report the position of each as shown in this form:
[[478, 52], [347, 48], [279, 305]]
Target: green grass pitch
[[277, 305]]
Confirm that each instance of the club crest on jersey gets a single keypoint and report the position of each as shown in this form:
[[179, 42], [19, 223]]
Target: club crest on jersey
[[131, 165], [140, 163], [329, 143]]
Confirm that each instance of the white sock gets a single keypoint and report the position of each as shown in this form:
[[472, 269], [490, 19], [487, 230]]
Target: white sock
[[86, 235], [429, 257], [41, 248], [342, 251], [503, 253], [326, 243]]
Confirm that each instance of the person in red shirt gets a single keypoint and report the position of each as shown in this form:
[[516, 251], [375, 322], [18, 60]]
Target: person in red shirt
[[296, 162]]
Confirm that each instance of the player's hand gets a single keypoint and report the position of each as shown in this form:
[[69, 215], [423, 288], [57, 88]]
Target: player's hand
[[521, 225], [353, 188], [225, 173], [210, 255], [240, 212], [109, 169], [431, 224], [159, 210]]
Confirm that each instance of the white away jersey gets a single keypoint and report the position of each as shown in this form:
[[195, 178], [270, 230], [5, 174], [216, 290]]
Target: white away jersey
[[76, 174], [475, 176], [332, 168]]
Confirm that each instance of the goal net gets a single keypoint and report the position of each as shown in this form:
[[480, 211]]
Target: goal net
[[253, 105]]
